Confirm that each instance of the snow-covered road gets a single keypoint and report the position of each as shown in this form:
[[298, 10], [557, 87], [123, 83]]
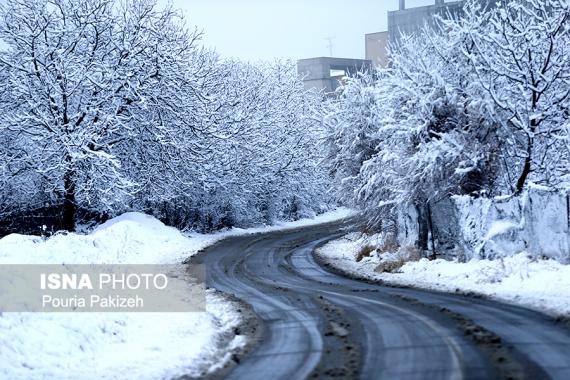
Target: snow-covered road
[[318, 323]]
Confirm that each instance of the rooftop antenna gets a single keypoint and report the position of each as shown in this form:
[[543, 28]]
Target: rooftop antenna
[[330, 44]]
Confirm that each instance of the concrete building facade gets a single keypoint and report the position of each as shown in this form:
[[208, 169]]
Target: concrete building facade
[[327, 73], [413, 20], [407, 21], [375, 46]]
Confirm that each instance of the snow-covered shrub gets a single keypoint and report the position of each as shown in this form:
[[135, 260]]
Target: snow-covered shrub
[[391, 260], [381, 250]]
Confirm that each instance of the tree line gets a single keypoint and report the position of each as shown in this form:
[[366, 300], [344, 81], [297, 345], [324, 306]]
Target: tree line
[[108, 106], [478, 105]]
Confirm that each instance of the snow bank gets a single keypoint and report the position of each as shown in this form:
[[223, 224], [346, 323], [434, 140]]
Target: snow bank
[[113, 345], [327, 217], [542, 284], [522, 279], [131, 238], [201, 241], [117, 345], [121, 345]]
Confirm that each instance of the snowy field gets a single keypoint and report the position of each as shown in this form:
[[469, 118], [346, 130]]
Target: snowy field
[[121, 345], [520, 279]]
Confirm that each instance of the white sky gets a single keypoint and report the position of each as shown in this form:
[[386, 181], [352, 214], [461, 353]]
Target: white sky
[[267, 29]]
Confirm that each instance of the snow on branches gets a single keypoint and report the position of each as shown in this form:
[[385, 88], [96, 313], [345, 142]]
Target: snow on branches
[[113, 105], [478, 105], [520, 54]]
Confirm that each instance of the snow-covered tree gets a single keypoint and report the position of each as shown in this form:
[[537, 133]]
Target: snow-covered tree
[[478, 106], [263, 163], [352, 122], [416, 136], [108, 106], [520, 52], [88, 84]]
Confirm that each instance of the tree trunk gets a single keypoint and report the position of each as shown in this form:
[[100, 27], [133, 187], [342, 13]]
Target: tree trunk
[[524, 176], [69, 207], [423, 229], [526, 168], [433, 255]]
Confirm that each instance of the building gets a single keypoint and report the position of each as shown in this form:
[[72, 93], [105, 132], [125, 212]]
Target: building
[[327, 73], [413, 20], [407, 21], [375, 46]]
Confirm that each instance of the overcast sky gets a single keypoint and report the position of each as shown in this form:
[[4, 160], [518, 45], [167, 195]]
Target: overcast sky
[[267, 29]]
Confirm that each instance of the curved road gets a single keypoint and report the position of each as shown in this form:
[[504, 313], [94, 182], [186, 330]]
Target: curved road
[[320, 325]]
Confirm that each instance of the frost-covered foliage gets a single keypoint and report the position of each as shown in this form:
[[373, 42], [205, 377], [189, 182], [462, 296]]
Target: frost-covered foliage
[[479, 107], [86, 83], [412, 133], [262, 162], [351, 139], [108, 106], [520, 53]]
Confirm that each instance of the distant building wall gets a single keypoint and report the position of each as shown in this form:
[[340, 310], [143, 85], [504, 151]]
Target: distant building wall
[[376, 45], [326, 73], [413, 20]]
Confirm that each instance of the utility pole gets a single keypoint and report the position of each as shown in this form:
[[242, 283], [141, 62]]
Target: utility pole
[[330, 44]]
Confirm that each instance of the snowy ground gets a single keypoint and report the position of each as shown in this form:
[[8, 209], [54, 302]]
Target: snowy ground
[[120, 345], [519, 279]]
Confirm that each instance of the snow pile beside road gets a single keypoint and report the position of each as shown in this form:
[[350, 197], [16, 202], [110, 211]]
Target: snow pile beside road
[[331, 216], [543, 284], [113, 345], [117, 345], [201, 241], [327, 217], [132, 238], [521, 279]]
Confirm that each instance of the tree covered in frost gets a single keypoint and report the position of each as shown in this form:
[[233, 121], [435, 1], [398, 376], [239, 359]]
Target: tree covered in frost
[[263, 162], [88, 83], [352, 122], [418, 138], [520, 53], [109, 106], [461, 110]]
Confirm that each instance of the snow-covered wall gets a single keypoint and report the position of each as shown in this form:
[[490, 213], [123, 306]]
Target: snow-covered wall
[[490, 227], [537, 222], [408, 227]]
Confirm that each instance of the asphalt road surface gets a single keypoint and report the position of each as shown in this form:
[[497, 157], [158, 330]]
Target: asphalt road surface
[[318, 324]]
